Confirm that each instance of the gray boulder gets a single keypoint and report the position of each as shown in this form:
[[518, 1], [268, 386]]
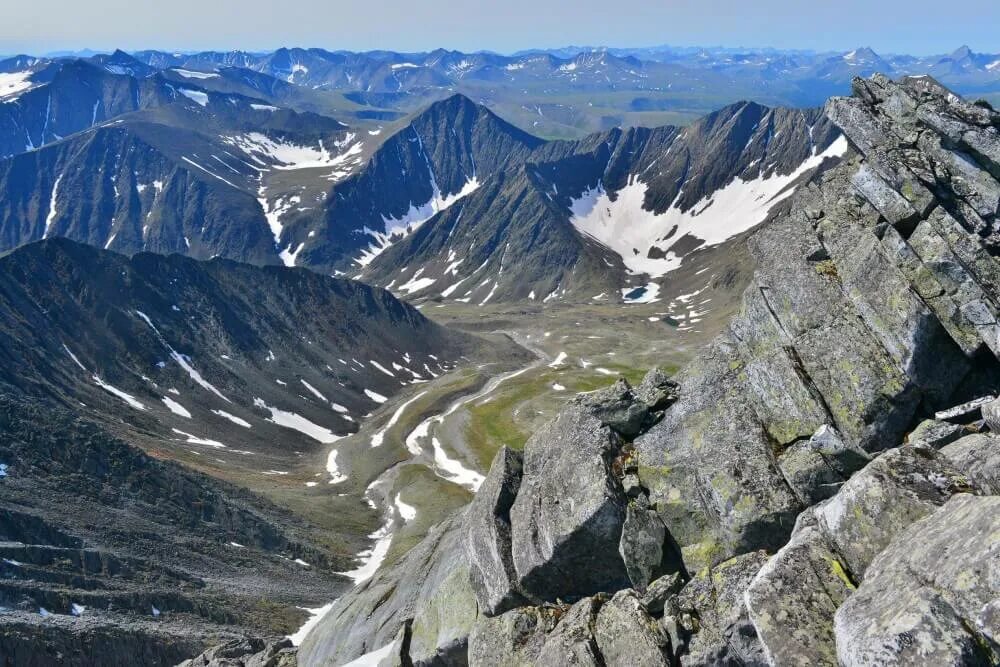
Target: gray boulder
[[935, 434], [645, 546], [808, 473], [896, 489], [661, 590], [791, 601], [978, 456], [566, 522], [966, 412], [488, 538], [932, 597], [627, 635], [658, 390], [619, 408], [991, 413]]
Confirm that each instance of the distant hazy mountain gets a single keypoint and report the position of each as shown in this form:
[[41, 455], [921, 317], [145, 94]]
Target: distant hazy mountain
[[569, 92]]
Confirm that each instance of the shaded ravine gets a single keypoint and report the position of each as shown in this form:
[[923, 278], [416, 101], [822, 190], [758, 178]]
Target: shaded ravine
[[441, 463]]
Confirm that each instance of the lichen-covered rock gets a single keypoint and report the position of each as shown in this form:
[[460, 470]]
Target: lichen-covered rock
[[658, 390], [428, 586], [488, 541], [627, 635], [708, 616], [978, 456], [594, 631], [896, 489], [935, 434], [513, 638], [792, 599], [932, 596], [572, 640], [566, 522]]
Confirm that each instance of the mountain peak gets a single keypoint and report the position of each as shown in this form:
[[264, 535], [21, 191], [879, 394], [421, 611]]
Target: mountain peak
[[864, 54], [961, 53]]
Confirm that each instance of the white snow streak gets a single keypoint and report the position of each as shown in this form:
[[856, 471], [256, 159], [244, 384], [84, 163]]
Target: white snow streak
[[298, 423]]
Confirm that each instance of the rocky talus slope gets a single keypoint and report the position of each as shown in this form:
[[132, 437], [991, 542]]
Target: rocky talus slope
[[819, 487]]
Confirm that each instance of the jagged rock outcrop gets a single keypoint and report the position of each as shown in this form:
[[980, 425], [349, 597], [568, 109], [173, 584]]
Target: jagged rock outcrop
[[578, 503], [858, 319], [247, 652], [491, 567], [568, 515], [793, 598], [804, 431]]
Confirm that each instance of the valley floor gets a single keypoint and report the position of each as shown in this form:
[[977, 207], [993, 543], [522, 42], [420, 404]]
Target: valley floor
[[424, 453]]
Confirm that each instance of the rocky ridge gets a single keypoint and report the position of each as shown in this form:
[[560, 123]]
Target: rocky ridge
[[818, 488]]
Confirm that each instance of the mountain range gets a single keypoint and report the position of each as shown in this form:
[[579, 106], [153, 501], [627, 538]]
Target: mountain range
[[558, 93], [180, 167]]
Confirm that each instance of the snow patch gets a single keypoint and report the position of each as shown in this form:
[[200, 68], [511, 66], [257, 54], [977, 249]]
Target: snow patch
[[195, 440], [191, 74], [233, 418], [14, 83], [298, 423], [627, 228], [379, 437], [375, 396], [408, 512], [315, 616], [195, 96], [176, 407], [132, 401]]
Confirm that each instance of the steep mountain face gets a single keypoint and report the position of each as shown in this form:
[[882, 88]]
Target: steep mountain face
[[201, 176], [230, 358], [441, 156], [818, 487], [600, 217], [68, 97]]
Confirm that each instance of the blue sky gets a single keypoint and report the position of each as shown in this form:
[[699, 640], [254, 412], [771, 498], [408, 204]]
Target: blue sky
[[911, 26]]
